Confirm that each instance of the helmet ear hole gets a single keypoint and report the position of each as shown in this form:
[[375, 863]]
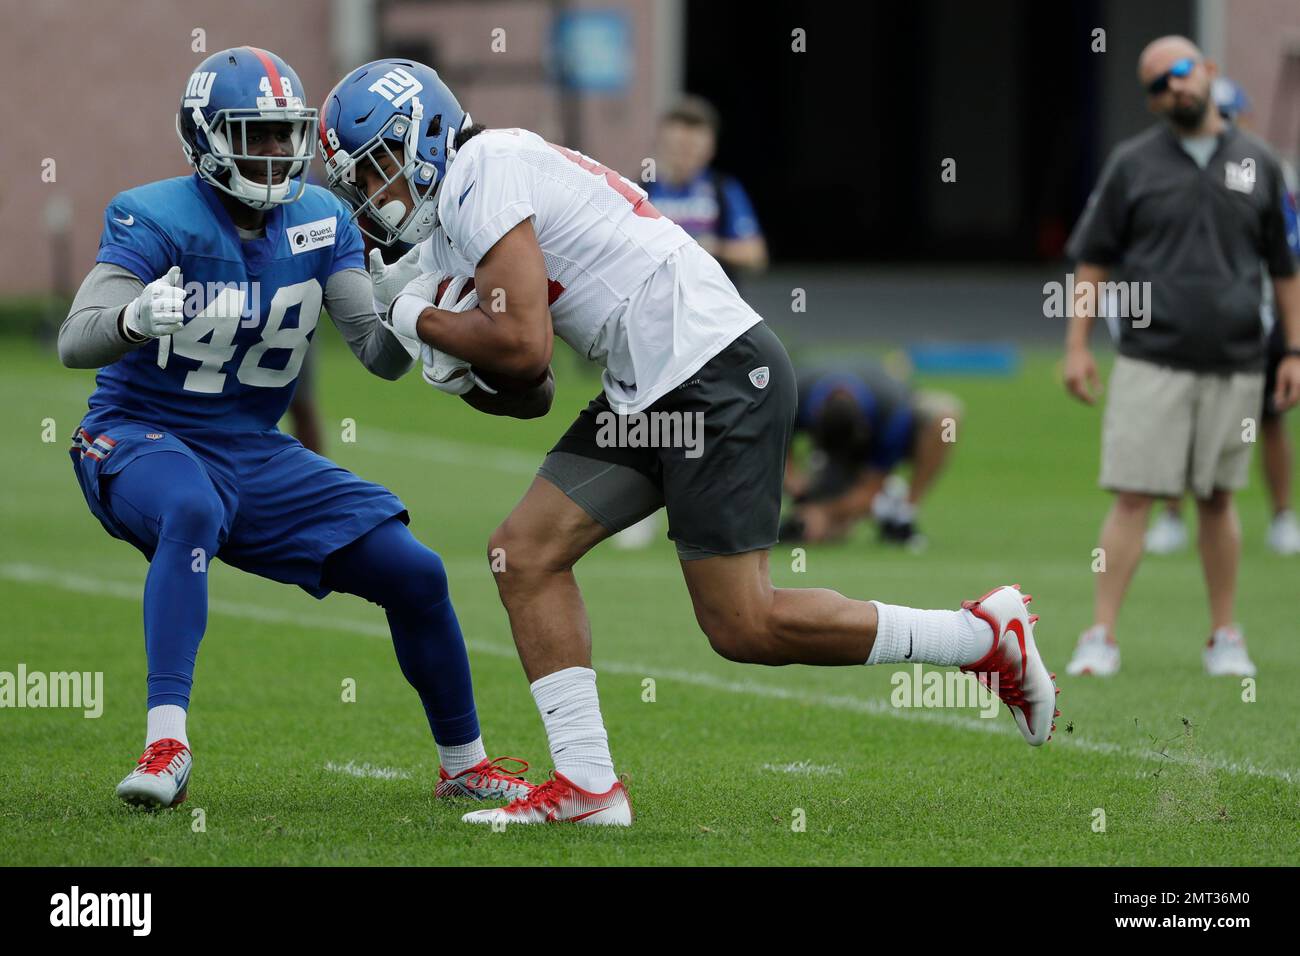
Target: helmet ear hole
[[435, 126]]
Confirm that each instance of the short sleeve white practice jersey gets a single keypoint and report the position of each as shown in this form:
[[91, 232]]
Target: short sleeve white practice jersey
[[602, 241]]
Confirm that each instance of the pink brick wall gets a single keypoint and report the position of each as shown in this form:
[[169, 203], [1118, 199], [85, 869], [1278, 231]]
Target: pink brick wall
[[94, 84], [1257, 34]]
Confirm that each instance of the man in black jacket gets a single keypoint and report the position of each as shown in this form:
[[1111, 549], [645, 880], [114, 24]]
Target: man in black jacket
[[1183, 218]]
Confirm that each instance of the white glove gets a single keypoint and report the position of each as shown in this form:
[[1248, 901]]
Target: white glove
[[159, 310], [390, 280], [416, 296], [387, 282], [446, 372]]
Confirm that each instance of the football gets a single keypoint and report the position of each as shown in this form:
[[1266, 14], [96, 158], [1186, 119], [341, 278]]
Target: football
[[442, 287], [509, 383]]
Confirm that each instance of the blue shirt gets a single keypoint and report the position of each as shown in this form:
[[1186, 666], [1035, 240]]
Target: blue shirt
[[710, 205], [885, 403], [251, 305]]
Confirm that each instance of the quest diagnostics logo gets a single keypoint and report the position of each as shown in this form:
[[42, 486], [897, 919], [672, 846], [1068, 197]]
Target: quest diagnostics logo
[[311, 235]]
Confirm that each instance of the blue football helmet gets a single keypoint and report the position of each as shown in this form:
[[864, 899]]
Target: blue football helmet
[[229, 92], [398, 117]]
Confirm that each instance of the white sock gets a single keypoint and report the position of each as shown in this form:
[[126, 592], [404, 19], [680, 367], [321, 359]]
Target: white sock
[[461, 757], [570, 710], [930, 637], [166, 720]]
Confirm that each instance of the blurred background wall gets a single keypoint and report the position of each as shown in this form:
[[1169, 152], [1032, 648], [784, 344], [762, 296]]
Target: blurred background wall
[[839, 146]]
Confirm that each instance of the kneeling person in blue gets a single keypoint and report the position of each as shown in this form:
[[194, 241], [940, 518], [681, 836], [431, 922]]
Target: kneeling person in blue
[[198, 313]]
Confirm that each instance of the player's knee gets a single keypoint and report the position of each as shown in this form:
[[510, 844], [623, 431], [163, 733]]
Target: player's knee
[[424, 581], [193, 516], [738, 636], [517, 556]]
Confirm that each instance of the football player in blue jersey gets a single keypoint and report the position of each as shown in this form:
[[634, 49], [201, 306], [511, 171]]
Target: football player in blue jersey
[[198, 313]]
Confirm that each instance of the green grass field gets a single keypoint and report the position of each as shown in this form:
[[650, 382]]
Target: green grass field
[[723, 760]]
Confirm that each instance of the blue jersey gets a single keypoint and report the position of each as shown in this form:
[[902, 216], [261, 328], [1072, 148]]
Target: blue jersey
[[709, 206], [251, 305], [885, 403]]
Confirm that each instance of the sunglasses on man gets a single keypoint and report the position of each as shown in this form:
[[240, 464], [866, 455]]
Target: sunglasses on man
[[1181, 68]]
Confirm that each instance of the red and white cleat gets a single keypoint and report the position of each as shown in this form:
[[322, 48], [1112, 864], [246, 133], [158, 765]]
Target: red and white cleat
[[161, 777], [486, 780], [1023, 681], [559, 800]]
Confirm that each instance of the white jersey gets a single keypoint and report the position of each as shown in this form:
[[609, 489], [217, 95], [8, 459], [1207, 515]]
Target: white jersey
[[629, 289]]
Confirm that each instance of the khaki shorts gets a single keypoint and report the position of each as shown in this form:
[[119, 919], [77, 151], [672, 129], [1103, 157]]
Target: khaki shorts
[[1167, 431]]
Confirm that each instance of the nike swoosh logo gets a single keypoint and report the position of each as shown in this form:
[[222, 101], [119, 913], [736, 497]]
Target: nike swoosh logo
[[1018, 629], [908, 655], [464, 194], [589, 813], [128, 221]]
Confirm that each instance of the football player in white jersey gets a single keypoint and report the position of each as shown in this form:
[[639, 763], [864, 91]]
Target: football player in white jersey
[[695, 414]]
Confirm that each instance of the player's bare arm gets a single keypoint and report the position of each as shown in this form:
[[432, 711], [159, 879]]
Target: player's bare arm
[[510, 330]]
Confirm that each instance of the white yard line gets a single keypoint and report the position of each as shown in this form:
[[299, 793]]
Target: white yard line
[[84, 584], [367, 770]]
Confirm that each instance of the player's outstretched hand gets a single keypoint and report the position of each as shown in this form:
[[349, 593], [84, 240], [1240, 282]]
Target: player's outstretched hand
[[1288, 383], [1081, 375], [159, 310], [390, 279]]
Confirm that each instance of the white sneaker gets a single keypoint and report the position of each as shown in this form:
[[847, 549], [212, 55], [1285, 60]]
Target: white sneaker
[[161, 776], [1225, 655], [1096, 654], [1284, 533], [560, 800], [1168, 535]]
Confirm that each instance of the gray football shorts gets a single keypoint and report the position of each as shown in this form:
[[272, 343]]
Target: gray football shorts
[[712, 451]]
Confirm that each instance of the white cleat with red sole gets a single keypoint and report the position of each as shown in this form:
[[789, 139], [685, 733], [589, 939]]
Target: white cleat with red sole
[[560, 800], [161, 776], [1023, 681], [486, 780]]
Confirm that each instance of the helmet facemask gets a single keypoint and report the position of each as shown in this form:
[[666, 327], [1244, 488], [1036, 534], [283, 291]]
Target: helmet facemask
[[390, 155], [227, 140]]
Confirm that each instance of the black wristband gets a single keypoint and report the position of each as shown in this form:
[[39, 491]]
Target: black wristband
[[127, 334]]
